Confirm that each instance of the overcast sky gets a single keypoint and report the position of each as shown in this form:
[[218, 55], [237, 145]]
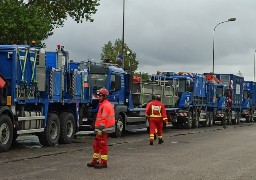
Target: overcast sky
[[169, 35]]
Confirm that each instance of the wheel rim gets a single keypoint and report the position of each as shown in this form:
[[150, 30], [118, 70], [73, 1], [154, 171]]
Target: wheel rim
[[207, 120], [54, 130], [119, 126], [4, 134], [190, 120], [70, 129], [211, 119]]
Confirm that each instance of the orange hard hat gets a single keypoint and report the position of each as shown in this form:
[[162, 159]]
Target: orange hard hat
[[103, 91]]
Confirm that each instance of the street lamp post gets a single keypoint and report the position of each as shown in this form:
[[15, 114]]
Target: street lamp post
[[123, 34], [230, 19]]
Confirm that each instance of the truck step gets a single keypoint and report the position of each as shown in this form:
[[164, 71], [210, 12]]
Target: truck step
[[30, 131]]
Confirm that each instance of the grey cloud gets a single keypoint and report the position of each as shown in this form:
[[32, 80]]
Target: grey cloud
[[174, 34]]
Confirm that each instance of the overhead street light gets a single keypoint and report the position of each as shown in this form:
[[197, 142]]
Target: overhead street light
[[230, 19]]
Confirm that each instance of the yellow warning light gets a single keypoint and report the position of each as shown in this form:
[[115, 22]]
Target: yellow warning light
[[9, 101]]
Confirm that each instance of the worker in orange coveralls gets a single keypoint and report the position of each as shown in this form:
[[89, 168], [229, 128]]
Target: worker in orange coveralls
[[104, 124], [156, 113]]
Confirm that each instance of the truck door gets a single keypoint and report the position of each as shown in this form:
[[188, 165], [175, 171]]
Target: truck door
[[115, 90]]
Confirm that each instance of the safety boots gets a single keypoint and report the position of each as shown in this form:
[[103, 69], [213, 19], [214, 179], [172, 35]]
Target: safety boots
[[101, 165], [92, 164], [151, 142], [160, 141]]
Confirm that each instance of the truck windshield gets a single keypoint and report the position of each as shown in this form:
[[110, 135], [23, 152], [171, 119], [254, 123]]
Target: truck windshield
[[182, 86], [97, 81], [246, 94], [219, 92]]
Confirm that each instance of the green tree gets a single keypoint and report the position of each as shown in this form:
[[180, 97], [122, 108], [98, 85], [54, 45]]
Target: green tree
[[60, 10], [111, 51], [21, 24], [25, 20]]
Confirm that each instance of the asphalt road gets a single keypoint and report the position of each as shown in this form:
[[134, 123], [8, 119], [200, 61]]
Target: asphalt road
[[203, 153]]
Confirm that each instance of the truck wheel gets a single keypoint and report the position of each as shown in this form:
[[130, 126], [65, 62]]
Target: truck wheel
[[247, 120], [210, 119], [229, 120], [238, 116], [224, 120], [189, 121], [6, 132], [67, 128], [206, 122], [51, 133], [119, 127], [234, 121], [174, 125], [251, 116], [196, 119]]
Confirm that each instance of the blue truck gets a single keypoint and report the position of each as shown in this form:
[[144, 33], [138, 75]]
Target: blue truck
[[191, 102], [249, 101], [201, 99], [128, 95], [37, 97], [216, 100], [234, 93]]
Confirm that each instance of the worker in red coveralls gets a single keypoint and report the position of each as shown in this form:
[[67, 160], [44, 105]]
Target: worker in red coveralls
[[156, 113], [104, 124]]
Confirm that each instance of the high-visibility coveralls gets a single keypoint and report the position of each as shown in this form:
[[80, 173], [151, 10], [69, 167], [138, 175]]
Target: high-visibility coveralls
[[105, 122], [156, 113]]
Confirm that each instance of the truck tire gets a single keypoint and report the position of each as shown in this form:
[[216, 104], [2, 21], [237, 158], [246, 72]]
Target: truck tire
[[51, 133], [6, 133], [238, 117], [174, 125], [210, 119], [67, 128], [189, 121], [119, 127], [206, 122], [229, 120], [224, 120], [251, 116], [195, 119], [247, 120]]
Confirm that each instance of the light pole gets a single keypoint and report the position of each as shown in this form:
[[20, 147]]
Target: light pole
[[230, 19], [254, 66], [123, 34]]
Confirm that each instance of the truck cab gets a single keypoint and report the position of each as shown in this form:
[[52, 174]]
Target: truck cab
[[234, 92], [248, 103]]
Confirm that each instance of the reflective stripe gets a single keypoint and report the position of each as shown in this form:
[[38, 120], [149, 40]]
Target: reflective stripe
[[164, 118], [106, 130], [155, 115], [151, 136], [108, 117], [109, 129], [104, 114], [96, 155], [160, 137], [104, 157], [152, 111]]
